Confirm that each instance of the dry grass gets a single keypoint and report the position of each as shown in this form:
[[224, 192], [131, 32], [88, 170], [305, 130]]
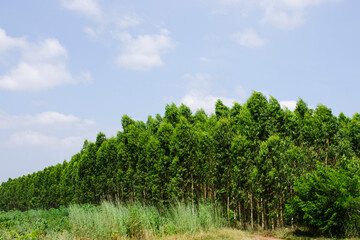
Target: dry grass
[[224, 233], [216, 234]]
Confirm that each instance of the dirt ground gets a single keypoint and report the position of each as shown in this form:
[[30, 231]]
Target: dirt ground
[[258, 237]]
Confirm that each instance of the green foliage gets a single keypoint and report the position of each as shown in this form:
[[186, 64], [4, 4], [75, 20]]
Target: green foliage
[[33, 224], [245, 158], [328, 201]]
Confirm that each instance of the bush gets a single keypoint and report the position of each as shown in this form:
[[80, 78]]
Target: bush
[[327, 201]]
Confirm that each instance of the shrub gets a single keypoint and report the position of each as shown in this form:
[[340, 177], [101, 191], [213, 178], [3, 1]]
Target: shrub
[[327, 201]]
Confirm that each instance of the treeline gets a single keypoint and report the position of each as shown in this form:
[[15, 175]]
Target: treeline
[[245, 158]]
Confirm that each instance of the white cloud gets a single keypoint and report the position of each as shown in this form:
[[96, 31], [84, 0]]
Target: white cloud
[[199, 96], [49, 119], [30, 137], [7, 42], [144, 52], [129, 20], [54, 117], [283, 14], [90, 31], [287, 14], [296, 4], [37, 138], [47, 128], [35, 77], [49, 50], [291, 105], [85, 77], [89, 8], [196, 100], [42, 65], [282, 18], [249, 38]]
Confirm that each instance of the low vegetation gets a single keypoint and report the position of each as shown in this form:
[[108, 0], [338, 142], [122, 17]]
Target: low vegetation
[[111, 221]]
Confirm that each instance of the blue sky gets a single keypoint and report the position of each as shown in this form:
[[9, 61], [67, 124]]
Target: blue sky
[[72, 68]]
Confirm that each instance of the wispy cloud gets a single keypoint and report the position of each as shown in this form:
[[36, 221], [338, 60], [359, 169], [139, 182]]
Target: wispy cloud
[[50, 119], [205, 59], [129, 20], [249, 38], [89, 8], [283, 14], [37, 138], [287, 14], [46, 128], [139, 52]]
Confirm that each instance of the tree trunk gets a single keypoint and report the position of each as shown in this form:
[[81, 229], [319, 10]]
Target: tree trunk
[[205, 188], [251, 211], [281, 213], [277, 216], [192, 193], [234, 204], [240, 215], [262, 214], [258, 213], [291, 197], [228, 206]]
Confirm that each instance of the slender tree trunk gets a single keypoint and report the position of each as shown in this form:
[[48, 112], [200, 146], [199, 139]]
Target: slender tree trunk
[[144, 193], [214, 191], [251, 211], [228, 205], [277, 216], [192, 193], [240, 214], [262, 214], [258, 213], [291, 197], [234, 204], [326, 149], [281, 213], [205, 188]]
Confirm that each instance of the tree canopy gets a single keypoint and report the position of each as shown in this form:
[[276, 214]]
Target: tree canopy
[[252, 158]]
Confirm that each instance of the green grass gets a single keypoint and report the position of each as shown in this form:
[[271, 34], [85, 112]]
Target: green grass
[[110, 221], [136, 221], [129, 221]]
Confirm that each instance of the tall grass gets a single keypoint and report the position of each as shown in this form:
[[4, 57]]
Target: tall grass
[[111, 221]]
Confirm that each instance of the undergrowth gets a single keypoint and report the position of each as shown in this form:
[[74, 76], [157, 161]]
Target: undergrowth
[[111, 221]]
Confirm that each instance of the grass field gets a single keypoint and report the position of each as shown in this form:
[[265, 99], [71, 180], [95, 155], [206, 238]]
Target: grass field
[[121, 221], [110, 221]]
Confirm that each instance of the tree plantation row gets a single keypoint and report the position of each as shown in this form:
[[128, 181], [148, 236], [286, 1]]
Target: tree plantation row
[[266, 166]]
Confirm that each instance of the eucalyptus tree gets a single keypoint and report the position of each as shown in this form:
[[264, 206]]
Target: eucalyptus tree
[[184, 144], [223, 135], [107, 165]]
